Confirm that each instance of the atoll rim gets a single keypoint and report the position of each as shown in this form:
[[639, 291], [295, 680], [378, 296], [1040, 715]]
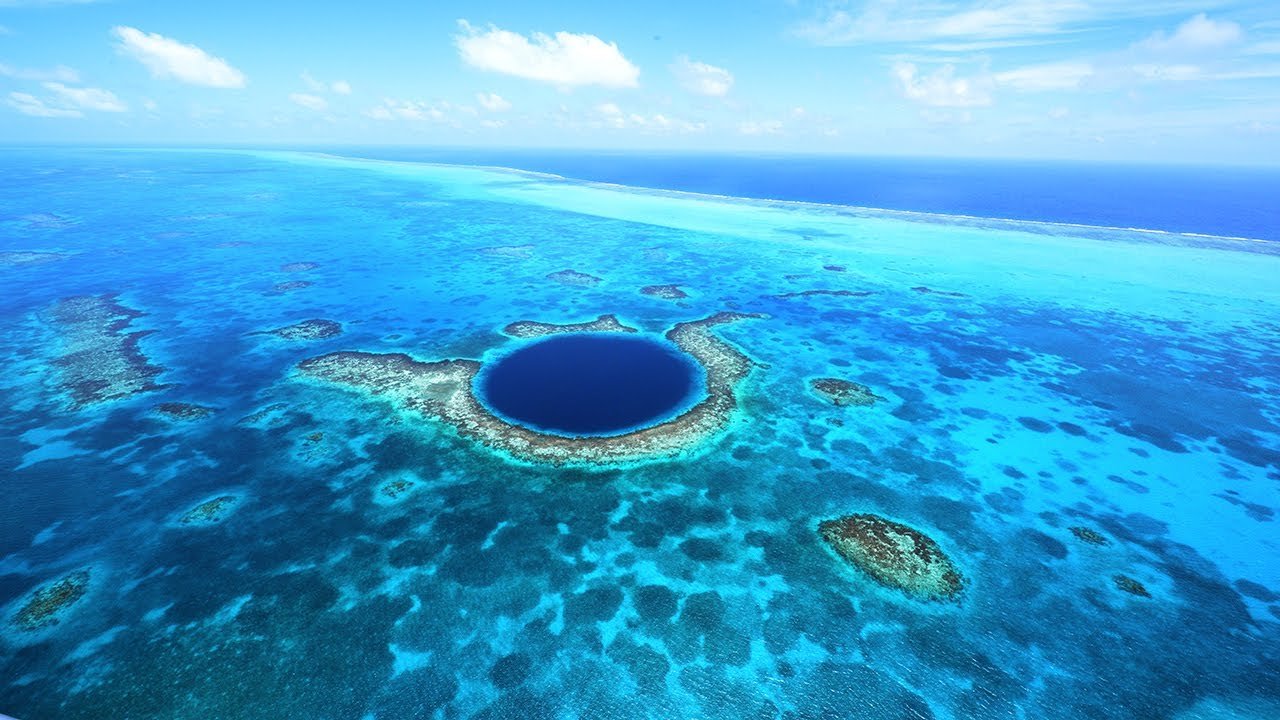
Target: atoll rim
[[445, 390]]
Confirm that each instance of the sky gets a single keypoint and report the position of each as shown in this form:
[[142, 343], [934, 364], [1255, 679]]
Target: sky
[[1194, 81]]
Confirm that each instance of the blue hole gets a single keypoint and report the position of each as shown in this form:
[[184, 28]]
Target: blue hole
[[598, 384]]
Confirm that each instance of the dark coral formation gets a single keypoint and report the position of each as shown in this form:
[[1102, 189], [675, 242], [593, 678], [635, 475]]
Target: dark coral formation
[[833, 293], [573, 277], [834, 268], [1093, 537], [299, 267], [209, 512], [29, 258], [516, 252], [666, 292], [1131, 586], [396, 488], [925, 290], [533, 329], [844, 392], [314, 329], [99, 360], [285, 287], [895, 555], [183, 411], [49, 601], [443, 390]]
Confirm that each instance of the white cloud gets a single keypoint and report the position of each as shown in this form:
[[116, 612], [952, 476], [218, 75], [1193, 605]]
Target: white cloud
[[1059, 113], [941, 88], [60, 73], [973, 21], [493, 124], [493, 102], [1176, 73], [392, 109], [337, 87], [308, 101], [1195, 35], [1050, 76], [565, 59], [610, 115], [87, 98], [609, 109], [35, 107], [701, 78], [768, 127], [166, 57]]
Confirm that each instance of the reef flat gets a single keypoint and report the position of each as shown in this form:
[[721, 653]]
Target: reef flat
[[100, 361], [314, 329], [444, 390], [534, 329], [666, 292], [895, 555], [29, 258], [209, 512], [294, 267], [50, 601], [573, 277], [182, 411], [844, 392]]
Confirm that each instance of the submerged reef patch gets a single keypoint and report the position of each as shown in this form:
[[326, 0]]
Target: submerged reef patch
[[314, 329], [833, 293], [444, 390], [100, 361], [666, 292], [299, 267], [844, 392], [925, 290], [30, 258], [515, 252], [1093, 537], [1131, 586], [209, 512], [50, 601], [895, 555], [183, 411], [533, 329], [285, 287], [573, 277]]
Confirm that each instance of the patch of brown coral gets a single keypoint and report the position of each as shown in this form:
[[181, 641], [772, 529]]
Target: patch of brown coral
[[894, 555], [100, 361]]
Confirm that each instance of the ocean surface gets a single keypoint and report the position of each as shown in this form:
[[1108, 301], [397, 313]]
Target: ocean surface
[[1084, 419]]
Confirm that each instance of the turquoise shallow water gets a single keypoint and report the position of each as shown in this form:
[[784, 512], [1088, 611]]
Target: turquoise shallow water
[[1035, 378]]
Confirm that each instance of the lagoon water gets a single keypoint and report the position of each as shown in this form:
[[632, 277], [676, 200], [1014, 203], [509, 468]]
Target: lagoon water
[[1084, 419]]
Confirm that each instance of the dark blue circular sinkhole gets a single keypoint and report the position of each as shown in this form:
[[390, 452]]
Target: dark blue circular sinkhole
[[595, 384]]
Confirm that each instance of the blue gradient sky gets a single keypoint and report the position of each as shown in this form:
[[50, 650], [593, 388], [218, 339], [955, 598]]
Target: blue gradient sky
[[1088, 79]]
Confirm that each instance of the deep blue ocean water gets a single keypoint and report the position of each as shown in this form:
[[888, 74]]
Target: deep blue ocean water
[[352, 558], [589, 384]]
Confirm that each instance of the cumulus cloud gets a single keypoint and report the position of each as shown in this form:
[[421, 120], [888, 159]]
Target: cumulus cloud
[[1195, 35], [768, 127], [35, 107], [701, 78], [890, 21], [337, 87], [941, 88], [392, 109], [611, 116], [86, 98], [564, 59], [60, 73], [1046, 77], [493, 102], [169, 58], [308, 101]]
